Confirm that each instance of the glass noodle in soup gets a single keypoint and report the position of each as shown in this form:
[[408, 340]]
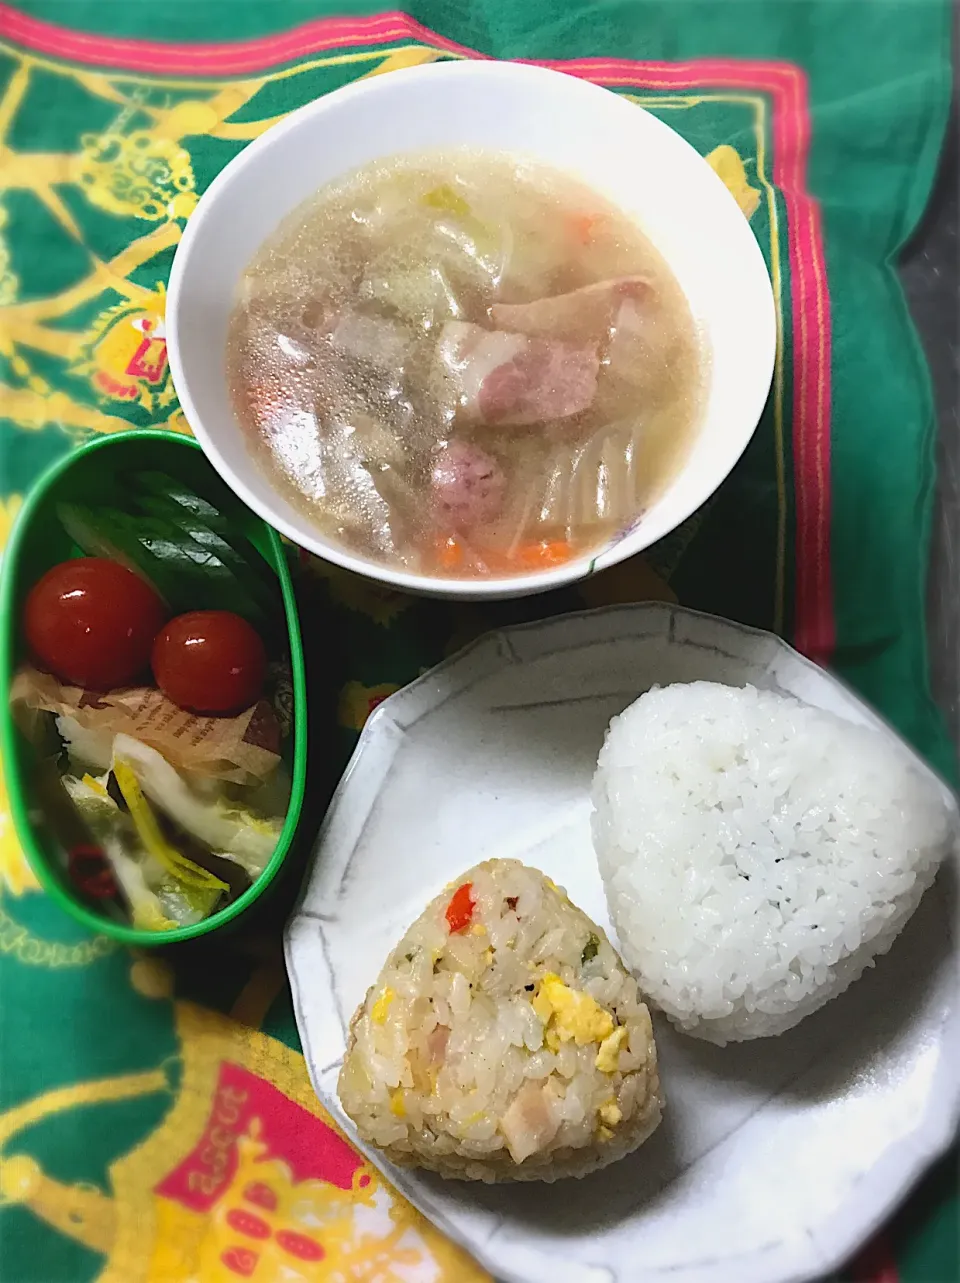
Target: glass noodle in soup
[[465, 364]]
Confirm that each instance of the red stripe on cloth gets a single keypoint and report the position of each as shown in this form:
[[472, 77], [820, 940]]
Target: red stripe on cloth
[[227, 59], [815, 625]]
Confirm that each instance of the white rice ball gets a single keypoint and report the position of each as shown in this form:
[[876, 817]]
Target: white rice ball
[[757, 853]]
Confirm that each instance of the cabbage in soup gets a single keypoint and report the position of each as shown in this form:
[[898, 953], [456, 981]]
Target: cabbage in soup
[[465, 364]]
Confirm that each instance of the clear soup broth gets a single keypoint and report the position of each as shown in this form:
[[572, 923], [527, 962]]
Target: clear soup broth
[[465, 364]]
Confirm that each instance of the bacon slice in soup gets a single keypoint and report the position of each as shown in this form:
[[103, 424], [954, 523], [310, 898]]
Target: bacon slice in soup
[[644, 342], [584, 314], [508, 379]]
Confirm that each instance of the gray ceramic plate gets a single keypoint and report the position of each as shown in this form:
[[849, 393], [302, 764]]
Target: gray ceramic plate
[[775, 1158]]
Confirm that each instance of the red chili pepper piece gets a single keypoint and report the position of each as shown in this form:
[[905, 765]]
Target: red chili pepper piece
[[91, 872], [460, 909]]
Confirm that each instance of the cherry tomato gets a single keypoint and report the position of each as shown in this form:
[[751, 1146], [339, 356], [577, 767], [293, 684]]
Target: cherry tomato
[[209, 661], [92, 622]]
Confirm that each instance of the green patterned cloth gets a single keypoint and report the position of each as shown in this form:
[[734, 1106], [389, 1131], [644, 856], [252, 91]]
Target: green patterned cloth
[[149, 1103]]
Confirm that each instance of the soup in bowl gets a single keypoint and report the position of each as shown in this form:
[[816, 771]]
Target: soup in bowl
[[474, 329]]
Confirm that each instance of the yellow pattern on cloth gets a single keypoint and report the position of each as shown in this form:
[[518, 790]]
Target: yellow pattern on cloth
[[377, 602], [125, 358], [229, 1181], [726, 162], [357, 702], [16, 875], [138, 174], [9, 284], [139, 169]]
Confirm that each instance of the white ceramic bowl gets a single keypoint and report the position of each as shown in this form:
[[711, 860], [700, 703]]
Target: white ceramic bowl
[[621, 151]]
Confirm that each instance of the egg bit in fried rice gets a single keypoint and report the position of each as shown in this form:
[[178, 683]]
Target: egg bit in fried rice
[[504, 1039]]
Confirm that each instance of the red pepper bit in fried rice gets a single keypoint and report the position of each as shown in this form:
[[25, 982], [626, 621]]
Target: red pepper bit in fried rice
[[459, 912]]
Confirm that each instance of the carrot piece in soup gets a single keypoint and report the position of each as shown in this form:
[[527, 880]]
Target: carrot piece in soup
[[450, 553], [541, 554], [583, 227]]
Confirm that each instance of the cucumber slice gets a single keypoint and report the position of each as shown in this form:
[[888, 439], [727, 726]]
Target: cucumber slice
[[237, 554], [164, 497], [195, 578], [187, 575], [160, 486], [224, 514]]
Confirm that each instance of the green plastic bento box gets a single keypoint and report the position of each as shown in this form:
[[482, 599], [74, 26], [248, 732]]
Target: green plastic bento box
[[89, 475]]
